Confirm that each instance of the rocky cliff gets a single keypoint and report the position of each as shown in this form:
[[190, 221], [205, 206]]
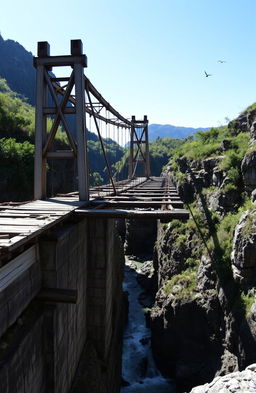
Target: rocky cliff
[[204, 317]]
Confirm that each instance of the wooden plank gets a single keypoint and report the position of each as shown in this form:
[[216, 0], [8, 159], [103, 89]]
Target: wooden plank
[[14, 268], [26, 221], [57, 295], [12, 240], [137, 203], [180, 214], [139, 197], [18, 229]]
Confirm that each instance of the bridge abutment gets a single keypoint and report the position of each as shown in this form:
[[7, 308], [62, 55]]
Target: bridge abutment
[[41, 349]]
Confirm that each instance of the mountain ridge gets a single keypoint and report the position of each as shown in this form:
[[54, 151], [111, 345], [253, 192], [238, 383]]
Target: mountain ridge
[[167, 130]]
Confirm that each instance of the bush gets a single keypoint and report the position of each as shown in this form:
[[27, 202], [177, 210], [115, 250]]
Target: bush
[[186, 282]]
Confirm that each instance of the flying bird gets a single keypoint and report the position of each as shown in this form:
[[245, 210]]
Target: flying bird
[[207, 74], [221, 61]]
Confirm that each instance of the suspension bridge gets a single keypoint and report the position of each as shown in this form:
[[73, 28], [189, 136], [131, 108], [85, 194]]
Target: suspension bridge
[[57, 98], [60, 260]]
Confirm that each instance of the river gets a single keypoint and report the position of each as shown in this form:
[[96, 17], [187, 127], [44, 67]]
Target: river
[[139, 368]]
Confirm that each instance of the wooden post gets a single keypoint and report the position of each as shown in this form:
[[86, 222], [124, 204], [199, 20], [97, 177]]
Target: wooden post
[[131, 167], [43, 49], [44, 147], [147, 164], [141, 152], [82, 166]]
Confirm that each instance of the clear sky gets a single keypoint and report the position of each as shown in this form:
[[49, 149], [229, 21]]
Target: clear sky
[[147, 56]]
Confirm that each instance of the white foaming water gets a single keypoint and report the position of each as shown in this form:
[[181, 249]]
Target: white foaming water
[[139, 368]]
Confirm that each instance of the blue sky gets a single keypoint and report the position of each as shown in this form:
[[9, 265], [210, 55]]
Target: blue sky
[[148, 57]]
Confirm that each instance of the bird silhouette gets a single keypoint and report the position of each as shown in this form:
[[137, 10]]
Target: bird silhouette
[[207, 74], [221, 61]]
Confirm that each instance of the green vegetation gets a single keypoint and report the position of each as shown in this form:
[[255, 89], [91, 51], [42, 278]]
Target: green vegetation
[[160, 152], [17, 166], [182, 285], [247, 301], [212, 232], [17, 127], [208, 144]]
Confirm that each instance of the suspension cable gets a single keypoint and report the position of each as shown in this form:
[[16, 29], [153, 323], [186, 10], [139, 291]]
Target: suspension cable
[[102, 145]]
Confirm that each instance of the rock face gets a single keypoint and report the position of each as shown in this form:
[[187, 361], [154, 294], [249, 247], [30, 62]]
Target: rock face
[[207, 173], [244, 123], [243, 255], [204, 317], [188, 330], [248, 168], [237, 382], [140, 237], [187, 336]]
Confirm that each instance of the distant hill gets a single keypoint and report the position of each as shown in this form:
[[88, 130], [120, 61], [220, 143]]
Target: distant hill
[[168, 131], [16, 66]]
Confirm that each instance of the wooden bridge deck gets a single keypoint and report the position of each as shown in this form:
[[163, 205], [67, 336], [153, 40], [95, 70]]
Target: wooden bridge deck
[[152, 198]]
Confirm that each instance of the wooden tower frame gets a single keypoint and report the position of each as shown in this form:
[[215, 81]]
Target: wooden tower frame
[[57, 101], [139, 147]]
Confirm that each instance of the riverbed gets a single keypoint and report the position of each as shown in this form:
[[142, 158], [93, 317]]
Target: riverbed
[[139, 370]]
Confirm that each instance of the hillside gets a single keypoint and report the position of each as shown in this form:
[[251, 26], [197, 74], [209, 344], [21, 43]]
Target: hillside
[[160, 152], [203, 319], [168, 131], [16, 67], [17, 152]]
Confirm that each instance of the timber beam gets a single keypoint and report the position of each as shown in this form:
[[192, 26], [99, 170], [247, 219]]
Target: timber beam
[[168, 215]]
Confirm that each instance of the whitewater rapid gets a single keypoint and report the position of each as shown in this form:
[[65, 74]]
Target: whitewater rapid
[[138, 366]]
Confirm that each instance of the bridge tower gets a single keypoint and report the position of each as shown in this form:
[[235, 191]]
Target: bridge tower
[[139, 148], [55, 100]]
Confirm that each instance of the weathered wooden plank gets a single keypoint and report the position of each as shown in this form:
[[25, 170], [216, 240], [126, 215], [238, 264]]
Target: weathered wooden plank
[[25, 221], [32, 213], [57, 295], [154, 204], [180, 214], [14, 268], [11, 241], [18, 229]]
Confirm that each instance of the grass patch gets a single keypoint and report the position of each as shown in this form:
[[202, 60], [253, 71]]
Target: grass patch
[[184, 282]]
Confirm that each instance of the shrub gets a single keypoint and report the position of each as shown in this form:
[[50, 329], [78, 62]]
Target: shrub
[[186, 282]]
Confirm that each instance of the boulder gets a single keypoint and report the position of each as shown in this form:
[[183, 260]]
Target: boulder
[[243, 256], [146, 276], [248, 168], [236, 382], [187, 337], [217, 177], [253, 132], [226, 144], [210, 163], [253, 196], [223, 201], [183, 164], [206, 277]]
